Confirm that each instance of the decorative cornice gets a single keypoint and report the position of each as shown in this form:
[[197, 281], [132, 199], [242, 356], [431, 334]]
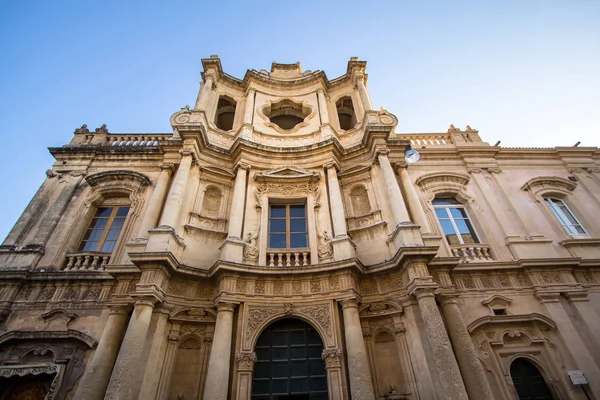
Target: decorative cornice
[[438, 178], [493, 320], [119, 175]]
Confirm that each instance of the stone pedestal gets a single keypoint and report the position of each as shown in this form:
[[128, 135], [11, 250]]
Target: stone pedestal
[[217, 377], [471, 368], [127, 373], [97, 374], [361, 385], [447, 371]]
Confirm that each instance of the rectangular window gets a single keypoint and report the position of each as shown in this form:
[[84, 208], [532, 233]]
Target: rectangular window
[[455, 222], [566, 218], [287, 226], [104, 230]]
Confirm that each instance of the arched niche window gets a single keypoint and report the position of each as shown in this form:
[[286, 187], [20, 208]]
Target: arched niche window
[[454, 220], [359, 199], [346, 114], [211, 203], [106, 225], [225, 114]]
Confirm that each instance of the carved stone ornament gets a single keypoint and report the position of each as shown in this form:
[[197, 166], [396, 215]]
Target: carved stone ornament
[[198, 315], [250, 249], [452, 128], [246, 360], [57, 319], [542, 185], [287, 174], [119, 176], [434, 180], [332, 357], [102, 129], [82, 131]]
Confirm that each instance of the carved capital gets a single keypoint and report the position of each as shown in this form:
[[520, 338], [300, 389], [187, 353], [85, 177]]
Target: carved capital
[[331, 164], [401, 164], [187, 152], [349, 303], [241, 165], [246, 360], [225, 307], [474, 170], [421, 292], [166, 167], [145, 301], [332, 357], [382, 152], [494, 170]]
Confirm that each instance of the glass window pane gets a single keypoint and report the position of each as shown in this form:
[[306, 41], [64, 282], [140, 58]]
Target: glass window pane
[[278, 211], [277, 241], [469, 238], [568, 215], [93, 234], [441, 213], [90, 246], [447, 227], [298, 211], [117, 223], [277, 225], [122, 211], [298, 225], [99, 223], [298, 240], [108, 247], [444, 201], [104, 212], [113, 234], [452, 239], [458, 212]]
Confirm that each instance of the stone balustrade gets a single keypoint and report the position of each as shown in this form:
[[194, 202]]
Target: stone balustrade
[[471, 252], [135, 140], [428, 140], [87, 261], [288, 257]]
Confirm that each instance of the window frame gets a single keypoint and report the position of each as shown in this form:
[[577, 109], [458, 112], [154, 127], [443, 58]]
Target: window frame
[[563, 219], [451, 218], [115, 206], [288, 218]]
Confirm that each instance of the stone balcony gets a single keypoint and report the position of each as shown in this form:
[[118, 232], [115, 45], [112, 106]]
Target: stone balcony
[[472, 252], [288, 257], [87, 261]]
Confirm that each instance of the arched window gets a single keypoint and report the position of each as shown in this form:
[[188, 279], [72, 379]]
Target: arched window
[[455, 221], [225, 114], [346, 114], [566, 218], [104, 230], [359, 198]]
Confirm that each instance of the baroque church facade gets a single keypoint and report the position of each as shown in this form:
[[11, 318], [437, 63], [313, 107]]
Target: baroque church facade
[[284, 242]]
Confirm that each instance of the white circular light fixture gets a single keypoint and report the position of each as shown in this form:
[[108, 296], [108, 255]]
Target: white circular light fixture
[[411, 156]]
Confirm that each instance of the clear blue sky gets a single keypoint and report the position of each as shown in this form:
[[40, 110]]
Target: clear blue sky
[[522, 71]]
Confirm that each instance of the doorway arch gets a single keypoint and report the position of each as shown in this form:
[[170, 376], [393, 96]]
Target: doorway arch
[[289, 364], [528, 381]]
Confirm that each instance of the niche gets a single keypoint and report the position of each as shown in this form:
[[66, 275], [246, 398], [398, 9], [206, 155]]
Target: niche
[[359, 198], [211, 203], [346, 114], [225, 113], [187, 371]]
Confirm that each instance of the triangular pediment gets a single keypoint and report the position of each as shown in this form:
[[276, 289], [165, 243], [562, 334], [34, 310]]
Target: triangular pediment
[[287, 173]]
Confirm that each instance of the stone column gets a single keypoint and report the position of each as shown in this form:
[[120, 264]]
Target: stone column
[[236, 214], [156, 201], [156, 358], [249, 109], [364, 95], [323, 111], [581, 303], [204, 96], [573, 341], [447, 371], [175, 197], [470, 366], [128, 371], [217, 376], [412, 198], [335, 198], [97, 374], [361, 385], [245, 362], [399, 211]]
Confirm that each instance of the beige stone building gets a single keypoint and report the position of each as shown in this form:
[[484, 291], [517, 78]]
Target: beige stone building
[[284, 242]]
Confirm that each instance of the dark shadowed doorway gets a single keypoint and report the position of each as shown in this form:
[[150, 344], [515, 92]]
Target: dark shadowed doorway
[[288, 363], [528, 381]]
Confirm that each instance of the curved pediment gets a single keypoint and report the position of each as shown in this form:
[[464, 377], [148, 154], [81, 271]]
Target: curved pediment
[[542, 185], [117, 176], [434, 179], [287, 174], [500, 321]]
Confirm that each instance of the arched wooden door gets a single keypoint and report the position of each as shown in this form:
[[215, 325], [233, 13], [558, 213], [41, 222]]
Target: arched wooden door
[[528, 381], [288, 363]]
